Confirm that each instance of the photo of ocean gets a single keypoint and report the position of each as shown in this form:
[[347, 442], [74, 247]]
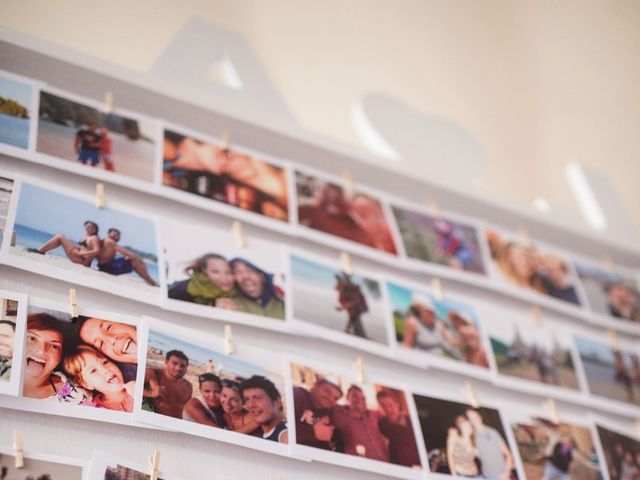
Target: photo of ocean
[[15, 101]]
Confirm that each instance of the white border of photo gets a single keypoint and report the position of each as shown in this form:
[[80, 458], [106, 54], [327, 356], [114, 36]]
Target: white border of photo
[[241, 351], [308, 453], [52, 407], [108, 285]]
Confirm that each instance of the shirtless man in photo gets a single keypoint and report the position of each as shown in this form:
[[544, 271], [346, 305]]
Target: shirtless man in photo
[[167, 389], [128, 262]]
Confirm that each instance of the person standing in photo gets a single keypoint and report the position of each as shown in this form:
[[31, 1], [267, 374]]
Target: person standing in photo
[[461, 451], [106, 149], [167, 389], [395, 425], [495, 458], [87, 144]]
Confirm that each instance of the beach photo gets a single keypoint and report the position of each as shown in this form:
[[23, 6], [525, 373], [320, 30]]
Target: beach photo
[[39, 467], [70, 238], [440, 240], [13, 312], [331, 300], [610, 291], [335, 416], [16, 98], [527, 266], [611, 371], [464, 441], [325, 206], [191, 387], [88, 361], [84, 136], [621, 453], [531, 349], [436, 327], [209, 274], [211, 170], [6, 189], [550, 451]]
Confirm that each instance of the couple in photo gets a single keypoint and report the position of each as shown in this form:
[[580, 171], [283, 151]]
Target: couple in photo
[[251, 406], [235, 284], [93, 145], [474, 449], [111, 257], [384, 434], [91, 362]]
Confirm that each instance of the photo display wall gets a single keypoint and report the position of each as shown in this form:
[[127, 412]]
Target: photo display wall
[[143, 372]]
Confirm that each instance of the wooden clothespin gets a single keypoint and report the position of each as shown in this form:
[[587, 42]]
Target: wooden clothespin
[[225, 140], [279, 477], [469, 391], [550, 406], [607, 262], [73, 303], [100, 195], [359, 366], [228, 339], [17, 449], [345, 262], [432, 206], [154, 465], [347, 180], [612, 336], [535, 314], [108, 102], [436, 286], [525, 238], [238, 232]]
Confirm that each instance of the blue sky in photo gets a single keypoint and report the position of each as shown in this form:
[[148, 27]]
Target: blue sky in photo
[[16, 90], [586, 346], [53, 213], [316, 273]]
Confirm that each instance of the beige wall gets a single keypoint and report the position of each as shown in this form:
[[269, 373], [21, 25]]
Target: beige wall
[[538, 83]]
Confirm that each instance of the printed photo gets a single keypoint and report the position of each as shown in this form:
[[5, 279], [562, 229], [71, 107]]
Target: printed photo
[[15, 111], [109, 467], [325, 296], [13, 308], [207, 271], [39, 467], [80, 133], [439, 240], [191, 387], [610, 291], [621, 453], [465, 441], [551, 451], [229, 176], [443, 328], [6, 188], [610, 372], [524, 349], [326, 207], [86, 361], [62, 236], [531, 268], [335, 414]]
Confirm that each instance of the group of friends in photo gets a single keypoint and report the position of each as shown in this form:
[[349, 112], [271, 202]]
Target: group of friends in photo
[[456, 336], [622, 454], [235, 284], [527, 267], [108, 255], [251, 406], [473, 449], [8, 312], [91, 361], [217, 172], [331, 419], [324, 206]]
